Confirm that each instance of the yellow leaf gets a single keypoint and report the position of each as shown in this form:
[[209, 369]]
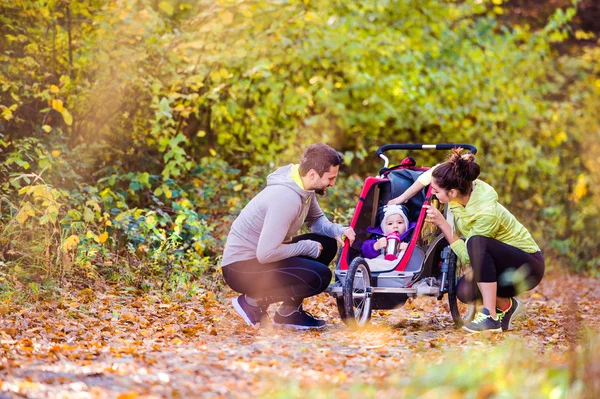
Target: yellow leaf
[[55, 153], [47, 128], [57, 105], [227, 17], [202, 133], [238, 187], [580, 188], [22, 217], [168, 193], [561, 137], [7, 114], [54, 89], [101, 238], [70, 243], [108, 223], [224, 73], [212, 152], [128, 395], [151, 220], [67, 116], [145, 333], [199, 248], [88, 215], [166, 7]]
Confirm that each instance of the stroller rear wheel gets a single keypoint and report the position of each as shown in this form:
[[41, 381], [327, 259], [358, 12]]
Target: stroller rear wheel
[[461, 313], [357, 296]]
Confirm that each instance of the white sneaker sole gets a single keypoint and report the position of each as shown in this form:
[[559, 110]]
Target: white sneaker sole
[[243, 314], [299, 327], [495, 330], [518, 311]]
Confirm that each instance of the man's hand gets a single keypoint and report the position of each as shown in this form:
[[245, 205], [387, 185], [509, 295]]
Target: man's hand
[[349, 234]]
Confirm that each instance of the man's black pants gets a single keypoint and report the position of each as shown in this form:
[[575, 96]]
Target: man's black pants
[[288, 280]]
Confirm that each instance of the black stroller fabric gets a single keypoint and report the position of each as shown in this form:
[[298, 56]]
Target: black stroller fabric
[[400, 181]]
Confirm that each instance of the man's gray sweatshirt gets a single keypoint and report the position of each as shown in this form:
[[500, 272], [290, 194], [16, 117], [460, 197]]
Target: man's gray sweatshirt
[[264, 228]]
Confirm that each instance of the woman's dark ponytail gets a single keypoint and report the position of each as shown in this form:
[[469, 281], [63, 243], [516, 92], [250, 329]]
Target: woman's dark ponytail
[[458, 172]]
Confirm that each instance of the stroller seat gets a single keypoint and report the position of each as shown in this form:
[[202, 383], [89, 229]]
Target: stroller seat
[[400, 181]]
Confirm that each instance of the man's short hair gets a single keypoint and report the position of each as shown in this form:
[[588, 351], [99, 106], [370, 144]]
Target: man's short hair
[[319, 157]]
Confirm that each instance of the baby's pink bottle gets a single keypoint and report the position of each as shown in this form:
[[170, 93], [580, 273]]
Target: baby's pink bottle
[[393, 244]]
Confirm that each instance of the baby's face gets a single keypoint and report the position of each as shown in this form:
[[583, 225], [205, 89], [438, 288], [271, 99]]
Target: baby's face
[[395, 223]]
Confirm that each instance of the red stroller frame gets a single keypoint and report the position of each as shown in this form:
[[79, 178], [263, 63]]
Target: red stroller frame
[[428, 267]]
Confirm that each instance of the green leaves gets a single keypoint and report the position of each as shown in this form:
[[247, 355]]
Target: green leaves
[[166, 7], [147, 107]]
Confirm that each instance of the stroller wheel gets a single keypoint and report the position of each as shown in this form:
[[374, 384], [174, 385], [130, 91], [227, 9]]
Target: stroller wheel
[[340, 306], [461, 313], [357, 295]]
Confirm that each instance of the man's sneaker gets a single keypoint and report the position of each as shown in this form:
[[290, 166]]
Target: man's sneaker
[[506, 318], [300, 320], [483, 322], [251, 314]]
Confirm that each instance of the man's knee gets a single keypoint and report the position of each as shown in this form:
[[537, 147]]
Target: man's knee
[[329, 249], [322, 277]]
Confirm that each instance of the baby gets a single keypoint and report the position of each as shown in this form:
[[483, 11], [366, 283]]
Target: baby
[[395, 220]]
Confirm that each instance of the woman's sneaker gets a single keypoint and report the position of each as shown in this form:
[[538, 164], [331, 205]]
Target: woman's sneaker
[[507, 317], [300, 320], [252, 315], [483, 322]]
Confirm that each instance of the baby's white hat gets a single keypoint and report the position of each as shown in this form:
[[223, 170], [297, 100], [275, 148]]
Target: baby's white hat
[[395, 209]]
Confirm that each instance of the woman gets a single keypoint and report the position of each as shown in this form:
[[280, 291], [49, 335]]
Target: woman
[[504, 258]]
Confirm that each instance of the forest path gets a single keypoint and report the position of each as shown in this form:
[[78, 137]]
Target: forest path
[[92, 345]]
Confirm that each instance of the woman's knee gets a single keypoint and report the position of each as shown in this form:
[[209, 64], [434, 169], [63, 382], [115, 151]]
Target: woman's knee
[[466, 290], [477, 243], [481, 260]]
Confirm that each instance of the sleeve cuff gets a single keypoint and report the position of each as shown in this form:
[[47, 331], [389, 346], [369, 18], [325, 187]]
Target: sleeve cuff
[[425, 177], [460, 249]]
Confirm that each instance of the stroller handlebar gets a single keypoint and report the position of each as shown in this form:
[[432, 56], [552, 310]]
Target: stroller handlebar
[[389, 147], [472, 149]]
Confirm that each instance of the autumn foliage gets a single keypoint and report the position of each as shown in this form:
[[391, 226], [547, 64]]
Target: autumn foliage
[[133, 132]]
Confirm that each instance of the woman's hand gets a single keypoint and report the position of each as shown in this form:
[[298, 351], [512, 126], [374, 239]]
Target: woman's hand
[[381, 243], [434, 216], [398, 200]]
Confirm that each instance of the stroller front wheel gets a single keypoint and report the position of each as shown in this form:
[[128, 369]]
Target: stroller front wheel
[[357, 294]]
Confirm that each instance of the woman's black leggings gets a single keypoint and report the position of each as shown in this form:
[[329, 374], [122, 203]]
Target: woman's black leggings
[[493, 261], [288, 280]]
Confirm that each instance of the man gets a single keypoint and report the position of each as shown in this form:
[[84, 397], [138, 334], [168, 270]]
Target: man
[[265, 262]]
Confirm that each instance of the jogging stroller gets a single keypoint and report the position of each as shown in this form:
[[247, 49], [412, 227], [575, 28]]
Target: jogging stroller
[[428, 267]]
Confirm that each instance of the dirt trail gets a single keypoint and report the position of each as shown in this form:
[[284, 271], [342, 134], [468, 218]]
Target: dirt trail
[[96, 346]]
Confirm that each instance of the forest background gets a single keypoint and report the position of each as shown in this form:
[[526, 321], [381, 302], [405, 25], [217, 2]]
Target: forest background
[[133, 132]]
